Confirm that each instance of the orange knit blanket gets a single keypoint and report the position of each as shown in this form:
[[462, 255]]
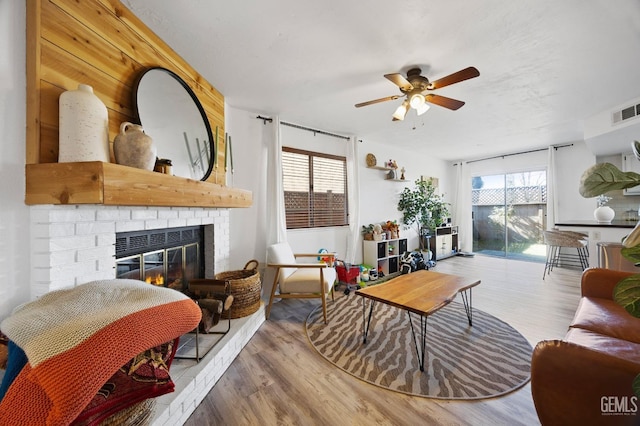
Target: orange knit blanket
[[76, 339]]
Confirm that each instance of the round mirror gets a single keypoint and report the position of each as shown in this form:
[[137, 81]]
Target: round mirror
[[171, 114]]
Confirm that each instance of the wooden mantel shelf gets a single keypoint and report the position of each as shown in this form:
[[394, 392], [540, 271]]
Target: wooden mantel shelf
[[111, 184]]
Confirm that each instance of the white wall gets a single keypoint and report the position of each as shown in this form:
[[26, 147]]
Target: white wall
[[378, 197], [249, 139], [571, 162], [14, 214]]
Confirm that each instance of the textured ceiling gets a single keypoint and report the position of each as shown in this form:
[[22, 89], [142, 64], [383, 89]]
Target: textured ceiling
[[545, 66]]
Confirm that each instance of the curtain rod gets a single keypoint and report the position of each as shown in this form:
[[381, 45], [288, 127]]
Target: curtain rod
[[517, 153], [315, 131]]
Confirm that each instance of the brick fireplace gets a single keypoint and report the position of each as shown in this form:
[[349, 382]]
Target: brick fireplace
[[75, 244]]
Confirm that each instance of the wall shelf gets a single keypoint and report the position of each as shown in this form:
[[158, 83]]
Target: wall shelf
[[111, 184], [387, 169]]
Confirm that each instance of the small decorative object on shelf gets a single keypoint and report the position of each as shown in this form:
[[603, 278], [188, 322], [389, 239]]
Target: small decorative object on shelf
[[391, 164], [377, 232], [134, 148], [402, 173], [163, 165], [83, 126], [371, 160], [604, 213]]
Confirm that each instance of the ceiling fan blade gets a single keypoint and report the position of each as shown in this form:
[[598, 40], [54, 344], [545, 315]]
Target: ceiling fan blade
[[443, 101], [400, 81], [375, 101], [456, 77]]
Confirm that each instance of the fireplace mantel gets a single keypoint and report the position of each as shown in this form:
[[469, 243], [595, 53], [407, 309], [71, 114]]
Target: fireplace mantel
[[111, 184]]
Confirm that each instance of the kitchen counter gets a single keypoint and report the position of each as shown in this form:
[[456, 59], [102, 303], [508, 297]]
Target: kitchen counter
[[613, 232], [593, 223]]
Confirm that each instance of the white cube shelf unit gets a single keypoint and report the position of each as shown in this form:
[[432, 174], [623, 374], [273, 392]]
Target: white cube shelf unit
[[384, 255]]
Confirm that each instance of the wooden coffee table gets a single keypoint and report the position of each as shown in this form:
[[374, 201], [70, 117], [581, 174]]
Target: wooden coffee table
[[422, 293]]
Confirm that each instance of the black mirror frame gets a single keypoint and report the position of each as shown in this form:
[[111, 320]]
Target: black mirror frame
[[212, 145]]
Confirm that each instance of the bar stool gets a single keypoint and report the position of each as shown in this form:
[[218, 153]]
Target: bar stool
[[556, 241]]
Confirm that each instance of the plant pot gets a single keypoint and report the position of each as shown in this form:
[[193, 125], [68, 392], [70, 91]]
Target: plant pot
[[604, 214]]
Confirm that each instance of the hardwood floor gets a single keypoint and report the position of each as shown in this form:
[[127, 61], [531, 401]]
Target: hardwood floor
[[279, 379]]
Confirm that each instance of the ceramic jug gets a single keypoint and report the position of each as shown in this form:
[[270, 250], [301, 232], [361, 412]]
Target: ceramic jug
[[133, 147]]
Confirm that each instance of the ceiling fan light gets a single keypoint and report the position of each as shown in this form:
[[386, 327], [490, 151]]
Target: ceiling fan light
[[416, 100], [422, 108], [401, 111]]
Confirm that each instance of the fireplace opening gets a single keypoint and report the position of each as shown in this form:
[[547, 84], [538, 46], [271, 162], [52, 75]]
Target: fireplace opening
[[164, 257]]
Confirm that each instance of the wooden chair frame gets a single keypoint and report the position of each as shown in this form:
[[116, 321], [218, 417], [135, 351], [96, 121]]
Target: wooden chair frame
[[321, 293]]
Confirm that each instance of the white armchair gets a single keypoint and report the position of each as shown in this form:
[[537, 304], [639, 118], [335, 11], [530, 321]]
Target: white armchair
[[300, 280]]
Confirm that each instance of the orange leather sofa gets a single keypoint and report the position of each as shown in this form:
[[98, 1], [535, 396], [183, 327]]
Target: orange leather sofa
[[586, 378]]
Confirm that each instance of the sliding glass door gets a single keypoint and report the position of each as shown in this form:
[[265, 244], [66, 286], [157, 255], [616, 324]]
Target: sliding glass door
[[509, 214]]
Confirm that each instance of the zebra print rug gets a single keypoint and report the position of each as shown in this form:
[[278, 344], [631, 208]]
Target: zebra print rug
[[462, 362]]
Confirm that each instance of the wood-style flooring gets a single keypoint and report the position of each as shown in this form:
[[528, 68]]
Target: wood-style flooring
[[279, 379]]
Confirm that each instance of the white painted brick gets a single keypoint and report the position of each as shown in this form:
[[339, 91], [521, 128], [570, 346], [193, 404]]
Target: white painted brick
[[95, 253], [86, 228], [53, 230], [54, 259], [143, 213], [129, 226], [167, 214], [64, 272], [177, 223], [200, 213], [156, 224], [106, 239], [113, 214], [185, 214], [73, 214], [194, 221], [77, 242]]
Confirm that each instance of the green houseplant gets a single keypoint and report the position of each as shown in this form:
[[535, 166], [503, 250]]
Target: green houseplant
[[596, 181], [422, 208]]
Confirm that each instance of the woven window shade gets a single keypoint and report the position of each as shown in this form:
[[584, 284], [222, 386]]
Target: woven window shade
[[314, 189]]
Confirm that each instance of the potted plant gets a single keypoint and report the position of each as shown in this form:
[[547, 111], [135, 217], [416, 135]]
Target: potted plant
[[594, 182], [367, 232], [422, 208]]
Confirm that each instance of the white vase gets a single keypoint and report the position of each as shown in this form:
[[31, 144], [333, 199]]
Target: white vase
[[84, 126], [604, 214]]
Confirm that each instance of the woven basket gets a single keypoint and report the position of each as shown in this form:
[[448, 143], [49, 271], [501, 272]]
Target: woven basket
[[245, 287]]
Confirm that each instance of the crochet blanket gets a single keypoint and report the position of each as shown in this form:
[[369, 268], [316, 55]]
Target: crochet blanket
[[76, 339]]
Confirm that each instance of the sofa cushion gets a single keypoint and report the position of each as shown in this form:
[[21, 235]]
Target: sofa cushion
[[605, 344], [605, 316], [306, 280]]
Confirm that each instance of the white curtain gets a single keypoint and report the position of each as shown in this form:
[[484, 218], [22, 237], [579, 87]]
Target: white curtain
[[353, 189], [552, 199], [276, 225], [276, 220], [462, 214]]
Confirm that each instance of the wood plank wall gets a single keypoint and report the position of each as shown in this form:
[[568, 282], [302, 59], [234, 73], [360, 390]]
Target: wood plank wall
[[102, 44]]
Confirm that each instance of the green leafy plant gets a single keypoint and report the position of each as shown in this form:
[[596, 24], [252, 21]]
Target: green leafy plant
[[421, 207], [367, 229], [594, 182]]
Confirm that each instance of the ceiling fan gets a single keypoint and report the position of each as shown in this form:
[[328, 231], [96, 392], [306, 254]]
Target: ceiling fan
[[415, 88]]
